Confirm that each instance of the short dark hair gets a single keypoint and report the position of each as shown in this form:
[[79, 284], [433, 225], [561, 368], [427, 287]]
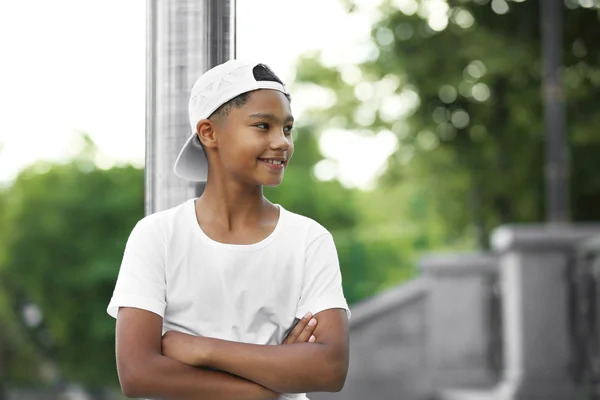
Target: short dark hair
[[261, 73]]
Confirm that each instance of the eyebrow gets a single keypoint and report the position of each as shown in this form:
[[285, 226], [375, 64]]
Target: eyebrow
[[271, 117]]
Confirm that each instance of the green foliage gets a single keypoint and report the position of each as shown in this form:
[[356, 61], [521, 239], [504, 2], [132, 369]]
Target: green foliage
[[66, 229], [471, 149]]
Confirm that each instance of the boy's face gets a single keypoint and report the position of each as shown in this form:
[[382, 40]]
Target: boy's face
[[255, 141]]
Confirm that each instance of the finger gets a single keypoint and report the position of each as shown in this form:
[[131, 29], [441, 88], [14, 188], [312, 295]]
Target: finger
[[307, 331], [297, 330]]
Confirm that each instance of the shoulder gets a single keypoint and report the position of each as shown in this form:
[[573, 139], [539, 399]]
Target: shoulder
[[159, 224], [310, 229]]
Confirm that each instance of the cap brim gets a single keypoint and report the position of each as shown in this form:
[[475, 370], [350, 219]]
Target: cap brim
[[191, 163]]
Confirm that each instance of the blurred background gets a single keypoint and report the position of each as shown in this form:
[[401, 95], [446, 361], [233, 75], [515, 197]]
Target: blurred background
[[444, 143]]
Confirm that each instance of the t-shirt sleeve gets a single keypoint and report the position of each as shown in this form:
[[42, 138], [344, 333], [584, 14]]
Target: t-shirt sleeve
[[141, 280], [322, 285]]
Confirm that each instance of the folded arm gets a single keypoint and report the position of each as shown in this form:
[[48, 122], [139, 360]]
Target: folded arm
[[321, 366], [145, 372]]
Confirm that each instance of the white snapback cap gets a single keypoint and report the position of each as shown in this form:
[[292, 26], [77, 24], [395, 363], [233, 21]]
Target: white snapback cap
[[213, 89]]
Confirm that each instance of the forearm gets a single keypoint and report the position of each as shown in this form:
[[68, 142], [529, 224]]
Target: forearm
[[164, 378], [296, 368]]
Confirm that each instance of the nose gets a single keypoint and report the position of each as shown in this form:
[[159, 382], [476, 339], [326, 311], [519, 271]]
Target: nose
[[280, 141]]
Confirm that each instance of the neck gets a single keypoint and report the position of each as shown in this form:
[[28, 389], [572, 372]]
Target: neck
[[232, 203]]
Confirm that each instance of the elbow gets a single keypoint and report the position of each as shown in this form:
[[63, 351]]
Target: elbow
[[129, 384], [131, 379], [339, 380], [129, 391], [337, 376]]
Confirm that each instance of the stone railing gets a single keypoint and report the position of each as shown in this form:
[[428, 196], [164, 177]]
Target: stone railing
[[536, 268], [464, 346], [585, 324], [437, 331]]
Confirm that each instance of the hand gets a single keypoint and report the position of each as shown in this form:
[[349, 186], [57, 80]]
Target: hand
[[184, 348], [303, 331]]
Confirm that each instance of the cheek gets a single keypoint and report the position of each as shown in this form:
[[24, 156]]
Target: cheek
[[242, 150]]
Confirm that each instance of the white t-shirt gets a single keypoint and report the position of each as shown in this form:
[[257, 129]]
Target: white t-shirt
[[243, 293]]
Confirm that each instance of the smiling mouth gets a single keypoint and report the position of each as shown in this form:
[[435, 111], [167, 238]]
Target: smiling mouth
[[273, 164]]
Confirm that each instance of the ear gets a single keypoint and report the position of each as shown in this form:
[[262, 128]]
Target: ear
[[206, 133]]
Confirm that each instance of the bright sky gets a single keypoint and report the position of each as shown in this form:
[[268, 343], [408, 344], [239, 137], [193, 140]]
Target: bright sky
[[70, 66]]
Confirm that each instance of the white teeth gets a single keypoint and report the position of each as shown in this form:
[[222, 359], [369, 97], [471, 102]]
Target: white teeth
[[276, 162]]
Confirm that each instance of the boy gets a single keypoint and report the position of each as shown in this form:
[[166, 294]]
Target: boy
[[208, 291]]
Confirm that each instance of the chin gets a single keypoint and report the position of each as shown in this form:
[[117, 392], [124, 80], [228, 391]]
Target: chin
[[266, 179], [272, 183]]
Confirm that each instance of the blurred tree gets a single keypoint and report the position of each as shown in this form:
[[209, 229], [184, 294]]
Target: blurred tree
[[458, 83], [65, 228]]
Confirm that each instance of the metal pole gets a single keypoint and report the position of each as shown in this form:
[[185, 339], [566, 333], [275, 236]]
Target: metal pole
[[556, 170], [185, 38], [220, 39]]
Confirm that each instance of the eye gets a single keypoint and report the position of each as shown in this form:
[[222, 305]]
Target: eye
[[262, 126], [289, 129]]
